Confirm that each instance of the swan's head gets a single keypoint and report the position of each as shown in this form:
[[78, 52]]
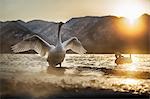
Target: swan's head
[[117, 54]]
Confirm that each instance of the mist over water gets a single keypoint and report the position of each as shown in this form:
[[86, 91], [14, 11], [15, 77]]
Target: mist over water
[[97, 71]]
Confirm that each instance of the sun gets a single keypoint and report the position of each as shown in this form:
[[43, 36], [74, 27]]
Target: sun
[[130, 12], [130, 9], [131, 26]]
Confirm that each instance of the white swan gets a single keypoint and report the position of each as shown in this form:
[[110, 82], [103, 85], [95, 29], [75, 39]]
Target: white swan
[[56, 54]]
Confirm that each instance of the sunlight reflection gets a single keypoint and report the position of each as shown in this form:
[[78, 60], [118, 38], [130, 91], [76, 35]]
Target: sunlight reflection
[[130, 81], [133, 66], [130, 67], [131, 28], [135, 59]]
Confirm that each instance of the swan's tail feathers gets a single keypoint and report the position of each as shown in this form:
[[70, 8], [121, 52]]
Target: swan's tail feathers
[[75, 45], [35, 43]]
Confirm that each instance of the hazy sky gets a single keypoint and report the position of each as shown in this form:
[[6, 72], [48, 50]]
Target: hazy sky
[[63, 10]]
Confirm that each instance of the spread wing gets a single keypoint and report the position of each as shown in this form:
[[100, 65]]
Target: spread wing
[[75, 45], [33, 42]]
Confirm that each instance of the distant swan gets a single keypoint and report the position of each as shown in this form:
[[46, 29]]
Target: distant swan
[[56, 54], [122, 60]]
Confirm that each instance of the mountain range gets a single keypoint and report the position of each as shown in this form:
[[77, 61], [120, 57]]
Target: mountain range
[[97, 34]]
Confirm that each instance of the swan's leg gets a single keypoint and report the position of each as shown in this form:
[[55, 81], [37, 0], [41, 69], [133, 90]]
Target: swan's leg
[[60, 64], [50, 64]]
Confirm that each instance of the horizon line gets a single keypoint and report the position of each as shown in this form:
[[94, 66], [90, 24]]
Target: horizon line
[[68, 19]]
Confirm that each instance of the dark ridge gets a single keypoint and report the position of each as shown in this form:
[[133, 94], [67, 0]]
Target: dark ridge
[[101, 31]]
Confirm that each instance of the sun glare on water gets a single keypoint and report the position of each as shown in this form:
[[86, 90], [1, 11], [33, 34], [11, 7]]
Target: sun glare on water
[[132, 66], [130, 81], [135, 59]]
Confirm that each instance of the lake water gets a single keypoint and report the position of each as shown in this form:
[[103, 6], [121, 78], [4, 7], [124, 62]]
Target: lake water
[[89, 70]]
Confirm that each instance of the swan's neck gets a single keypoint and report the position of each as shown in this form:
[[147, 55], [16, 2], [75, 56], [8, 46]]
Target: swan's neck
[[59, 35], [130, 56]]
